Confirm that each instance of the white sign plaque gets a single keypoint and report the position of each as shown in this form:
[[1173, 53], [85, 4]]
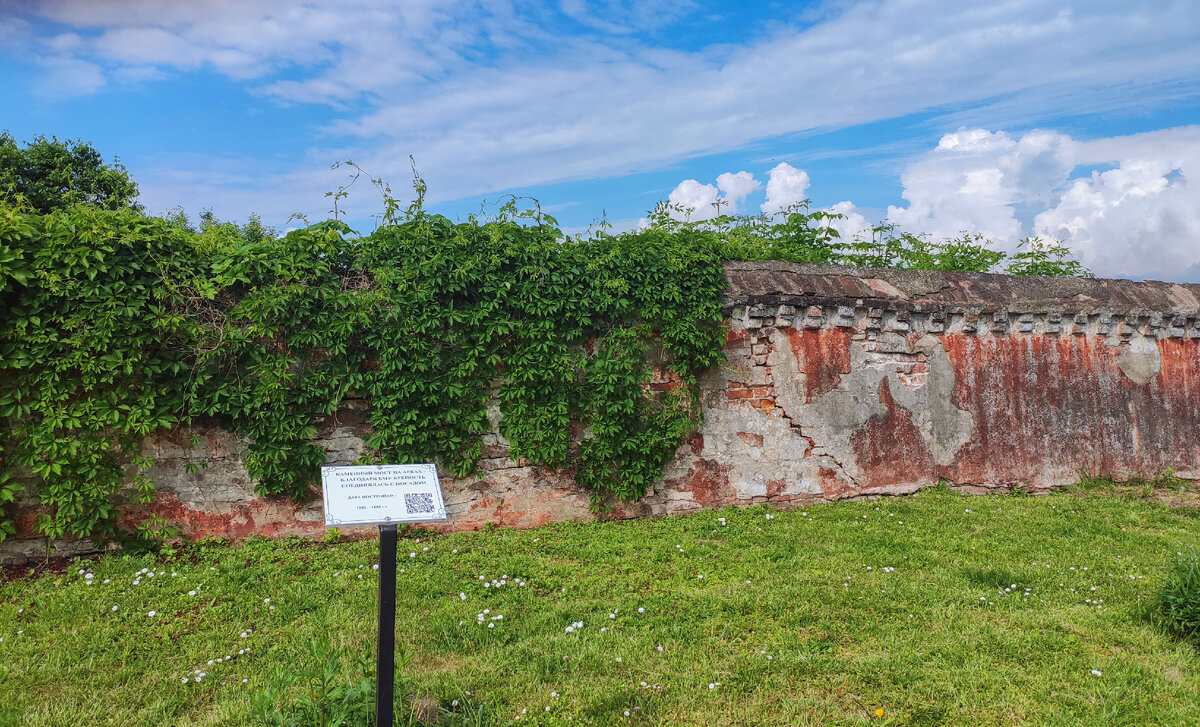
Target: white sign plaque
[[382, 494]]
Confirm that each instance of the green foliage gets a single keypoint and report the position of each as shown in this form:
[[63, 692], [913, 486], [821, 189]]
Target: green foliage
[[8, 493], [800, 236], [1179, 599], [132, 324], [795, 235], [90, 356], [16, 264], [321, 694], [117, 325], [889, 248], [49, 175], [428, 319], [273, 351], [1036, 256]]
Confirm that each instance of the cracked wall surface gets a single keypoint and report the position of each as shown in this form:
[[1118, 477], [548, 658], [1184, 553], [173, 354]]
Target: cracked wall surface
[[838, 383]]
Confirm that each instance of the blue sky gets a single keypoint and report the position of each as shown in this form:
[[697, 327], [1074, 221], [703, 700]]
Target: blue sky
[[1078, 121]]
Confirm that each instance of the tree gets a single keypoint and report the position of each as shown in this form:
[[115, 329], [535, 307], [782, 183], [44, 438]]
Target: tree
[[50, 174]]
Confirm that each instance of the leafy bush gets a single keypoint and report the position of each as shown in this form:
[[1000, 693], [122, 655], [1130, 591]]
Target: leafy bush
[[1179, 599]]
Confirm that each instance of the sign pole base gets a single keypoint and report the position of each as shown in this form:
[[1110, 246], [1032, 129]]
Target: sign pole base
[[385, 671]]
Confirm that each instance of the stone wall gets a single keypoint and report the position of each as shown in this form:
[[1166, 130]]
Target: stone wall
[[839, 383]]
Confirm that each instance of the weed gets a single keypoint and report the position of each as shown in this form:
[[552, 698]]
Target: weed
[[1179, 598]]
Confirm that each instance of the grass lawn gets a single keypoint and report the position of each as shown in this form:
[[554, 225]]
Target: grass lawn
[[938, 609]]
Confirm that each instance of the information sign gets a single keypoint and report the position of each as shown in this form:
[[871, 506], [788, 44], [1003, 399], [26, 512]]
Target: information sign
[[381, 494]]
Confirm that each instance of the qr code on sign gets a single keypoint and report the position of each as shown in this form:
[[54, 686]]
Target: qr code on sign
[[416, 502]]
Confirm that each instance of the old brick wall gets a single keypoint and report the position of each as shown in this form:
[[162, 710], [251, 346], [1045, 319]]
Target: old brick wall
[[839, 383]]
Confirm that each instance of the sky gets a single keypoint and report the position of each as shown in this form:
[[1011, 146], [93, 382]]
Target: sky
[[1077, 121]]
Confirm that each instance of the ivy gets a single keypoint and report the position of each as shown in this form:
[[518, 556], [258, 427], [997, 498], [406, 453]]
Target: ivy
[[90, 361], [116, 325]]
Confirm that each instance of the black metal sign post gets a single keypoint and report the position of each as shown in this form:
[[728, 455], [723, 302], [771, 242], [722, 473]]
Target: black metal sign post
[[385, 670], [383, 495]]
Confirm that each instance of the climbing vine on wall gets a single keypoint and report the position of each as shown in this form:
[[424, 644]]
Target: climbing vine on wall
[[92, 356], [119, 325]]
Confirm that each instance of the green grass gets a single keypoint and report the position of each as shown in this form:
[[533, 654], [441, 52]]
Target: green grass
[[937, 641]]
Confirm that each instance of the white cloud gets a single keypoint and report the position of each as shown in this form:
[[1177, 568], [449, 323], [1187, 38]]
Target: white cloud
[[66, 76], [149, 46], [705, 201], [64, 42], [852, 223], [1140, 218], [578, 10], [974, 180], [138, 74], [786, 186], [14, 33], [490, 95], [736, 187], [699, 201]]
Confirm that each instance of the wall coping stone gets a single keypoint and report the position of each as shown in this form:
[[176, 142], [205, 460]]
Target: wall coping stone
[[764, 286]]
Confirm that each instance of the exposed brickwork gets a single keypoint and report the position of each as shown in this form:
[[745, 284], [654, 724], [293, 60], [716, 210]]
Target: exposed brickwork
[[839, 383]]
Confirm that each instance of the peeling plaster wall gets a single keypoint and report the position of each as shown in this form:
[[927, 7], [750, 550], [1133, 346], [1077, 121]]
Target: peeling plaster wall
[[839, 383]]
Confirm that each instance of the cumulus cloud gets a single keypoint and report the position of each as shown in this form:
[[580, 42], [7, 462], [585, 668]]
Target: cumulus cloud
[[1140, 218], [786, 186], [736, 187], [975, 180], [851, 223], [705, 201], [698, 201], [1138, 215]]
